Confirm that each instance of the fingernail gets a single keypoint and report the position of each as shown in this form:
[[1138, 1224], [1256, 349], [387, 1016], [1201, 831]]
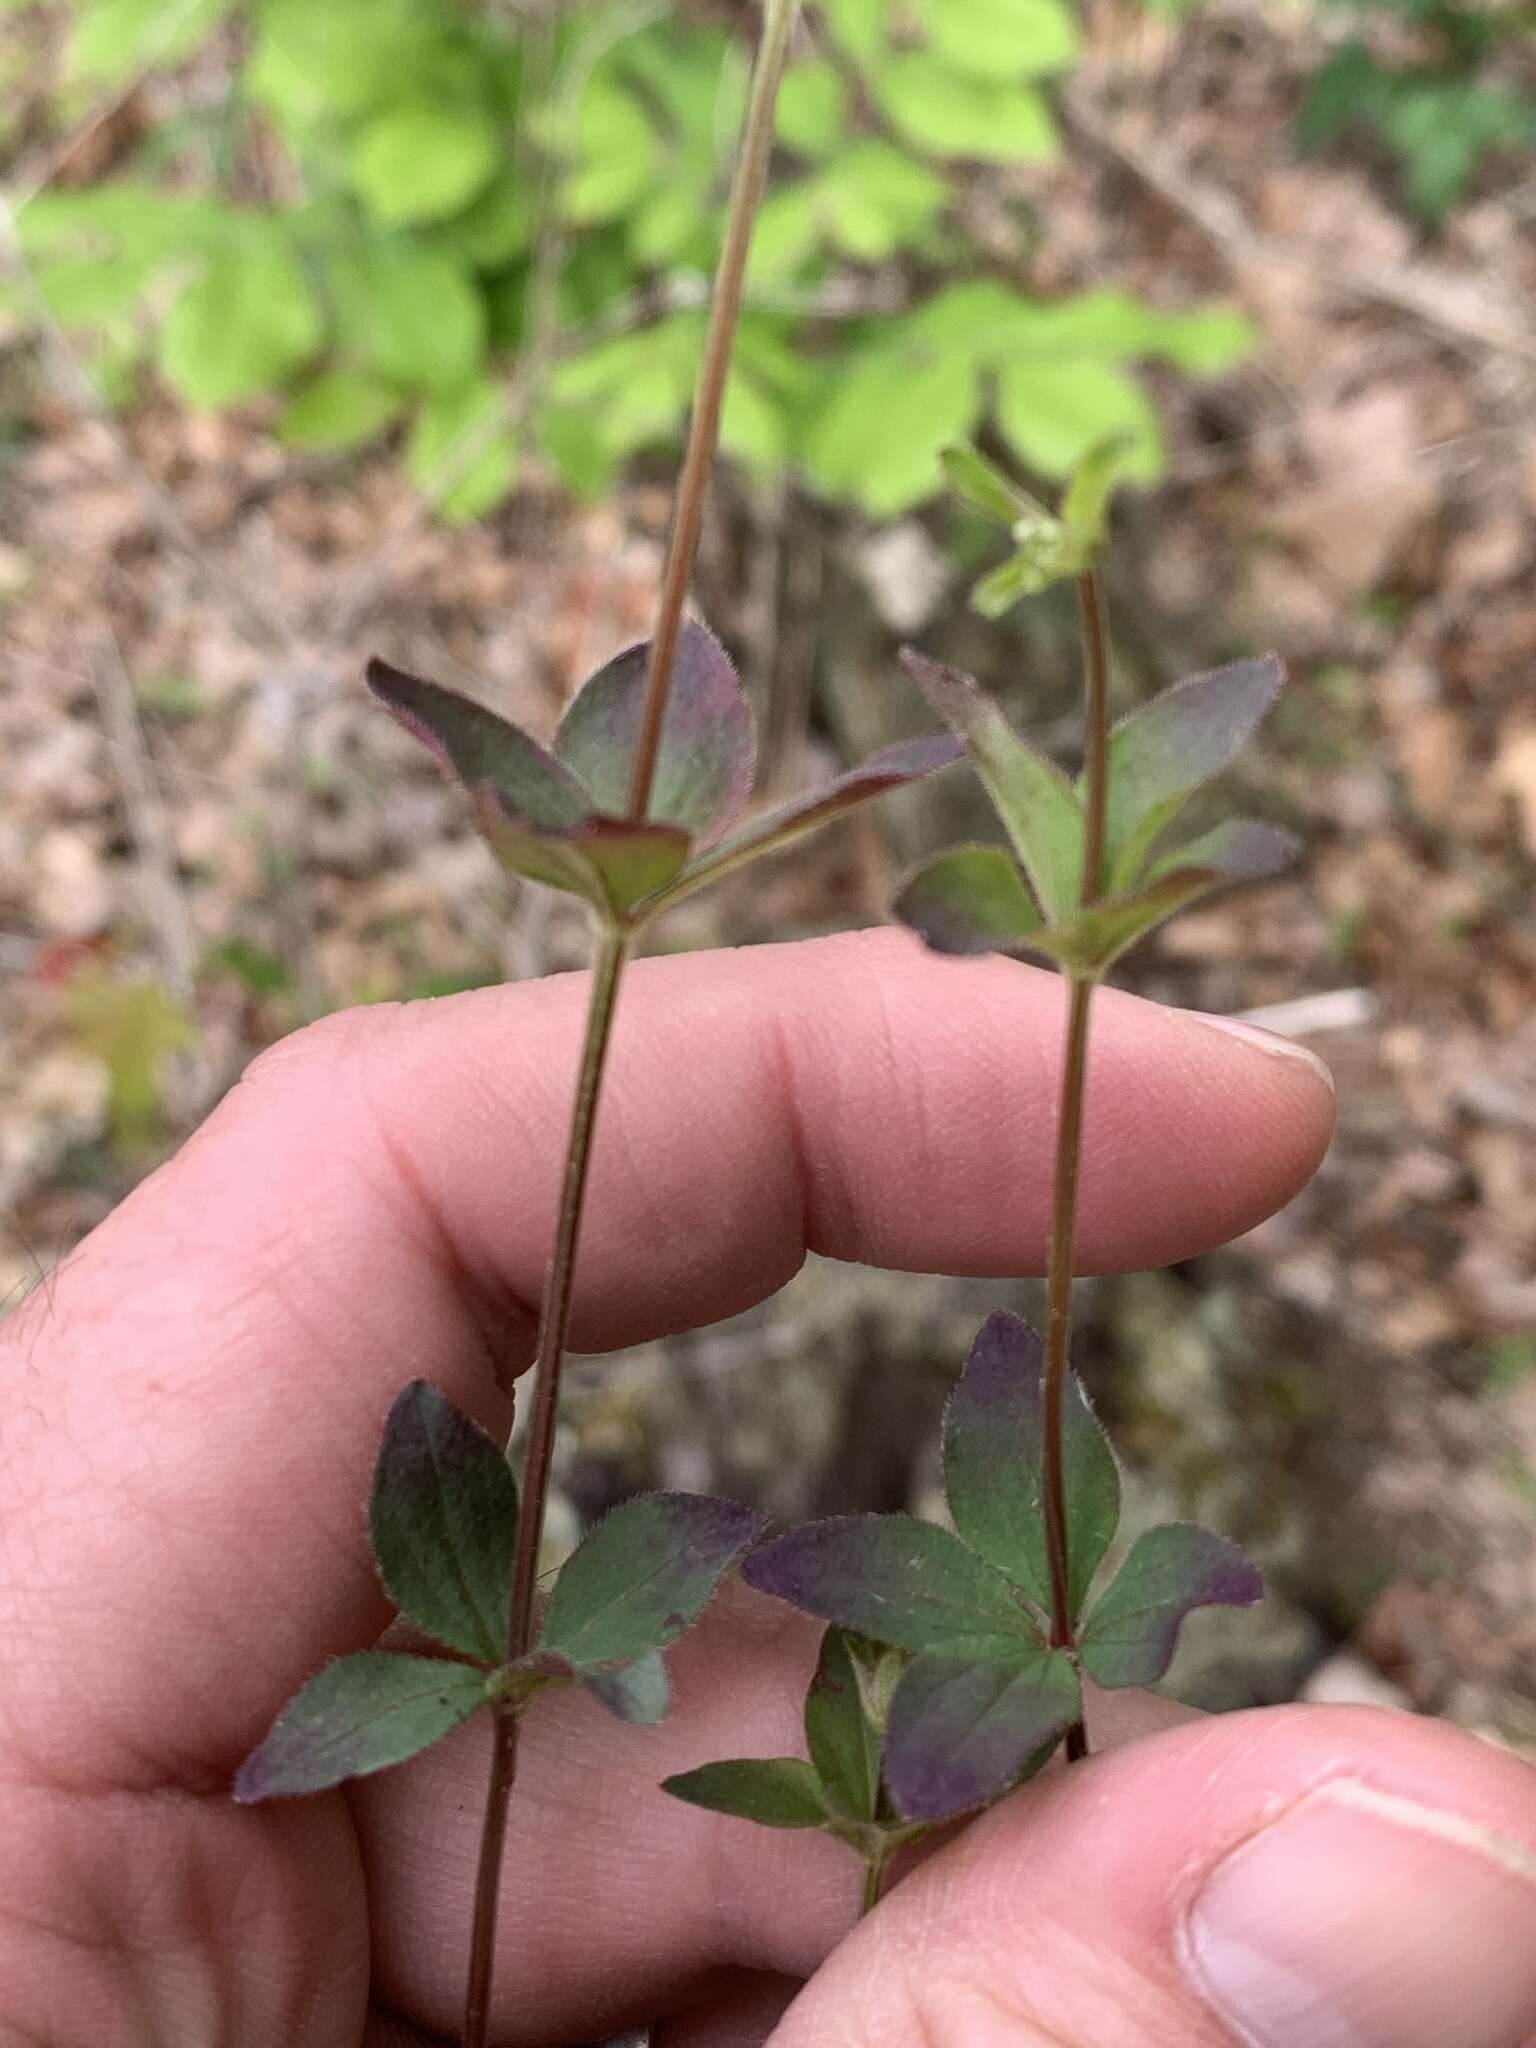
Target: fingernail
[[1266, 1041], [1362, 1920]]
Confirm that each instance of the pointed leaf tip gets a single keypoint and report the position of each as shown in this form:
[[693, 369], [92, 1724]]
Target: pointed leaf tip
[[443, 1519], [994, 1463], [480, 746], [708, 751], [359, 1715], [642, 1576], [1132, 1631], [775, 1791]]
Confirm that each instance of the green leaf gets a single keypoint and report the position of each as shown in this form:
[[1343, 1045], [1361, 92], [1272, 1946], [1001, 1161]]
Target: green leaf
[[637, 1692], [1001, 38], [615, 865], [481, 747], [960, 1733], [1241, 850], [410, 313], [949, 113], [616, 154], [1132, 1631], [461, 455], [987, 488], [896, 1580], [850, 450], [840, 1732], [1039, 809], [1092, 941], [1161, 753], [994, 1464], [443, 1522], [240, 328], [642, 1576], [971, 899], [360, 1714], [892, 768], [1085, 506], [1054, 414], [414, 163], [776, 1792], [812, 110], [339, 409], [113, 39], [705, 764], [874, 201]]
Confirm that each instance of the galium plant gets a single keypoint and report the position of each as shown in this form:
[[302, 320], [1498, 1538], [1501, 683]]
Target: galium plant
[[982, 1635], [954, 1662]]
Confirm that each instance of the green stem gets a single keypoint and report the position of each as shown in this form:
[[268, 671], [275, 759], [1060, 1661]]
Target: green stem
[[874, 1882], [704, 429], [1062, 1257]]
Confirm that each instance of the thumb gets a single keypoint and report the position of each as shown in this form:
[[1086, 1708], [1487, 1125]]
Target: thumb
[[1297, 1877]]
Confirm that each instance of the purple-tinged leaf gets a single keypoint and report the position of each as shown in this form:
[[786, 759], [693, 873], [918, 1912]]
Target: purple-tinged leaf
[[360, 1714], [1242, 850], [1039, 809], [612, 864], [971, 899], [841, 1730], [1091, 942], [637, 1692], [641, 1578], [1132, 1631], [705, 762], [775, 1791], [1161, 753], [443, 1520], [891, 768], [994, 1464], [481, 747], [960, 1733], [898, 1581]]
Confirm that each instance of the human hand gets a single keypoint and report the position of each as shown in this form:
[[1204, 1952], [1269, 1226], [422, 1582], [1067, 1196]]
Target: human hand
[[188, 1416]]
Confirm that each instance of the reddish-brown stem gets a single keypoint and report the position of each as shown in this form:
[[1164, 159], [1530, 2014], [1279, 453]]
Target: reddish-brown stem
[[1062, 1256], [493, 1835], [704, 429]]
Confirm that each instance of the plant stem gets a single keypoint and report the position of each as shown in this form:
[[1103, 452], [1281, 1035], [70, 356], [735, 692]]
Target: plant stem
[[554, 1326], [704, 429], [874, 1881], [1062, 1256], [493, 1835]]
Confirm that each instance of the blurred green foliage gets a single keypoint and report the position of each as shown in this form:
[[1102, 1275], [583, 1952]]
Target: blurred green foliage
[[1436, 113], [366, 207]]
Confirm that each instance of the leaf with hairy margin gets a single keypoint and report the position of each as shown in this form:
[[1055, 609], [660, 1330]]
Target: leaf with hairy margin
[[443, 1521], [1040, 811], [1132, 1629], [843, 1740], [707, 755], [969, 899], [775, 1791], [898, 1581], [480, 747], [360, 1714], [994, 1464], [959, 1733]]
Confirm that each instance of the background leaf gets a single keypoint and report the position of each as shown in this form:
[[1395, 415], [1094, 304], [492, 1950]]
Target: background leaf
[[443, 1521], [896, 1580], [776, 1792], [844, 1745], [417, 162], [1132, 1631], [243, 325], [994, 1455], [705, 765], [960, 1732], [642, 1576], [360, 1714], [1039, 809], [970, 899]]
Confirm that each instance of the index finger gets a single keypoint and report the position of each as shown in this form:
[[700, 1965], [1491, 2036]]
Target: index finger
[[374, 1203]]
